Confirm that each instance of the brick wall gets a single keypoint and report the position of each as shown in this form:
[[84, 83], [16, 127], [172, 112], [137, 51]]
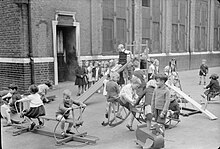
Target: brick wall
[[17, 73], [11, 30], [43, 72], [20, 74], [43, 12]]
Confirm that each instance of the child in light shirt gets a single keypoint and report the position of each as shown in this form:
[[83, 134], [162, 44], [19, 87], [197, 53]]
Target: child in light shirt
[[36, 106], [128, 97]]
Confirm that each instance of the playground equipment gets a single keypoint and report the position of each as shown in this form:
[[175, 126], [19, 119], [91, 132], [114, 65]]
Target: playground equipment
[[193, 102], [150, 139], [86, 95], [83, 138]]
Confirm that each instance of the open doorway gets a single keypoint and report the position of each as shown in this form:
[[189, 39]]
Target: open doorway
[[66, 53]]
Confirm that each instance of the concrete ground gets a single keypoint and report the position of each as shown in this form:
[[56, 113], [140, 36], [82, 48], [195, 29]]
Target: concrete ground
[[193, 132]]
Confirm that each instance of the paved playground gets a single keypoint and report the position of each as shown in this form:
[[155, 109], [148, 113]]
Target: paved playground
[[193, 132]]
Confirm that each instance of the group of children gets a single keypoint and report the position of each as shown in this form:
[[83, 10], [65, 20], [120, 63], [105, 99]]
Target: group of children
[[157, 95], [35, 109], [90, 72]]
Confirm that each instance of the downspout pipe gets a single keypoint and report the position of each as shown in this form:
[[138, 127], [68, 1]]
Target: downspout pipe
[[30, 48], [133, 26], [190, 54]]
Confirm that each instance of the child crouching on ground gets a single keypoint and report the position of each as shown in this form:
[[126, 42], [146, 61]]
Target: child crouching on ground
[[112, 89], [36, 106], [43, 89], [128, 97], [174, 109], [64, 111], [161, 99]]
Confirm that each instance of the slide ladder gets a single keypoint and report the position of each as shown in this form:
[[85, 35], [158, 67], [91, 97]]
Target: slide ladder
[[193, 102], [86, 95]]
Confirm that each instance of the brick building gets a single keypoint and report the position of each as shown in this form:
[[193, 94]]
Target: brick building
[[44, 39]]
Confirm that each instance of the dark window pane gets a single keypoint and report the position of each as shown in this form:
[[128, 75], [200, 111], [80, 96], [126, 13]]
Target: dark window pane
[[146, 3]]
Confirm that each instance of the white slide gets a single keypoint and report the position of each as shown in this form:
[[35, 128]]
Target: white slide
[[193, 102]]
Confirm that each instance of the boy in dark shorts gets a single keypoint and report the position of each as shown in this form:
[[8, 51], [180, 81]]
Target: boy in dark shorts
[[203, 72]]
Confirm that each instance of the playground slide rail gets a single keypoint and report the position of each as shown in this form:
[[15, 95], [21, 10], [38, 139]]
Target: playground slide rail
[[86, 95], [193, 102]]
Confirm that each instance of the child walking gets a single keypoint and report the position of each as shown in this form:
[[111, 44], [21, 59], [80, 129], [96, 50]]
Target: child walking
[[36, 106], [64, 111], [203, 72], [161, 99]]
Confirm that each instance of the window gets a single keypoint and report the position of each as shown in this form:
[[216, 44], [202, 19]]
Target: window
[[179, 25], [201, 26], [146, 3], [217, 27], [114, 24]]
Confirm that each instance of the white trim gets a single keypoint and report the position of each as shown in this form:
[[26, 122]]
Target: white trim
[[215, 52], [178, 54], [43, 59], [27, 60], [157, 55], [98, 57], [54, 28], [199, 53], [15, 60]]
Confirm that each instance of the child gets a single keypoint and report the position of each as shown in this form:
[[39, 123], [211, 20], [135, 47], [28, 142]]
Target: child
[[104, 84], [156, 64], [151, 69], [161, 99], [140, 74], [43, 89], [174, 109], [64, 111], [213, 87], [80, 78], [8, 106], [148, 93], [203, 72], [36, 106], [90, 79], [96, 72], [86, 75], [112, 89], [128, 97]]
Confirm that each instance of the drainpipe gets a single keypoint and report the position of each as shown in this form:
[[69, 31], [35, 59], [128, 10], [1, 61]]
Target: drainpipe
[[30, 54], [133, 29], [190, 54], [91, 28]]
